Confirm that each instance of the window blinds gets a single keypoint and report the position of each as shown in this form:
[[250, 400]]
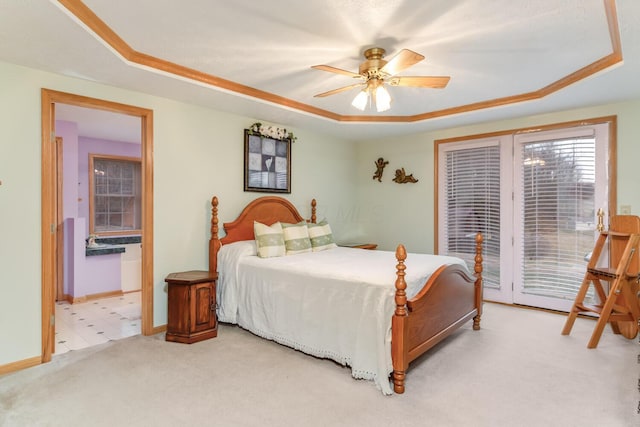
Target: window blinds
[[557, 210], [472, 204]]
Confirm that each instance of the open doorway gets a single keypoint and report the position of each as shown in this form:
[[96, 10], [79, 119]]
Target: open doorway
[[99, 235], [51, 197]]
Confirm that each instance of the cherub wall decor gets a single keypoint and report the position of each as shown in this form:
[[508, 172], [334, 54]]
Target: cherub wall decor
[[403, 178], [380, 164]]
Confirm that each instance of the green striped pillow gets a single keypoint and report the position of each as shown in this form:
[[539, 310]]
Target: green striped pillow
[[321, 236], [269, 240], [296, 238]]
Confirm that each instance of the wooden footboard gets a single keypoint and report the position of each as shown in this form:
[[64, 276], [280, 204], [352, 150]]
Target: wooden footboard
[[449, 299]]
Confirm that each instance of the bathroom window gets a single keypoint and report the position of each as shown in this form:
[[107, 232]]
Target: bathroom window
[[114, 195]]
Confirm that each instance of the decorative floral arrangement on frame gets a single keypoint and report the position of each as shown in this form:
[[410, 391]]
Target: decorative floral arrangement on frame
[[274, 132]]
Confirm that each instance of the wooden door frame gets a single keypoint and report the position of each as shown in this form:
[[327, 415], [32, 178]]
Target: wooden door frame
[[49, 211]]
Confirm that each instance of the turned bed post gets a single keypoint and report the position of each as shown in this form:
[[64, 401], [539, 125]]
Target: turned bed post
[[214, 242], [477, 268], [398, 329], [313, 211]]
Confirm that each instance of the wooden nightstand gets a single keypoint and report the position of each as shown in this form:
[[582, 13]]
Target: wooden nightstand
[[360, 245], [192, 306]]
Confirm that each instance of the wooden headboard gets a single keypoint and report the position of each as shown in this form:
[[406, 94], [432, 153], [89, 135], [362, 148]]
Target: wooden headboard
[[267, 210]]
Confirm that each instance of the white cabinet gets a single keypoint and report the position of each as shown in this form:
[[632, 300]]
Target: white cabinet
[[131, 268]]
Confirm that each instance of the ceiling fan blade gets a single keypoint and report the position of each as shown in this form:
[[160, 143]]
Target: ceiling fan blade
[[334, 91], [336, 70], [435, 82], [402, 60]]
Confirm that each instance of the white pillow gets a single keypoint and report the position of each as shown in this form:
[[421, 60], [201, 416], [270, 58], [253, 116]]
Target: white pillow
[[269, 240], [296, 238], [321, 236]]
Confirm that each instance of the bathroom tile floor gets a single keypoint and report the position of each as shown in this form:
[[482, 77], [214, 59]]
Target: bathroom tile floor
[[95, 322]]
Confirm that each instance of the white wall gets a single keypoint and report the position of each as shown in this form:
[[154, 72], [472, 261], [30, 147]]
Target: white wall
[[198, 153], [405, 213]]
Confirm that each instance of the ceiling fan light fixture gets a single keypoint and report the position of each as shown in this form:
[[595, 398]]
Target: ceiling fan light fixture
[[383, 99], [361, 99], [375, 72], [375, 93]]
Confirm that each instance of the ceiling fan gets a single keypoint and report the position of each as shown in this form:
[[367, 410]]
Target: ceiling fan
[[375, 72]]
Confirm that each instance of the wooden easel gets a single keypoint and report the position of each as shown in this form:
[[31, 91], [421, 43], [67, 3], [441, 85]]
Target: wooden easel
[[619, 306]]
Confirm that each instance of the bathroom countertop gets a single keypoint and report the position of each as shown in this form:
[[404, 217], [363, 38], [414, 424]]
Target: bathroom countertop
[[119, 240], [104, 250]]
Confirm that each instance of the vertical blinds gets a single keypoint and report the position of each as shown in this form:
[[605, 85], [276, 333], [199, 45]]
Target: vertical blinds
[[558, 204], [472, 187]]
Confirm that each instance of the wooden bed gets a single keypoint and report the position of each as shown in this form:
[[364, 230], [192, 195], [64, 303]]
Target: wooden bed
[[448, 299]]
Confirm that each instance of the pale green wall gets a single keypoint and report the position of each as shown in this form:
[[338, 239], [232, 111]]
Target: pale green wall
[[198, 153], [405, 213], [19, 215]]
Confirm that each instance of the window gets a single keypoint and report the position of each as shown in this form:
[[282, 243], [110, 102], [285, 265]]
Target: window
[[114, 195]]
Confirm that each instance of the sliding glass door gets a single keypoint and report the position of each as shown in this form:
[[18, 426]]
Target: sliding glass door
[[561, 181], [473, 198], [534, 196]]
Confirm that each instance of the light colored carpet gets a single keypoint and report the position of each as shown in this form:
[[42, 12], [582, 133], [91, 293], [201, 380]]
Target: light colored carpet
[[517, 371]]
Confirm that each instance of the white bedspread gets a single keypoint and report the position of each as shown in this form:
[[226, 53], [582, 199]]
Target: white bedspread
[[334, 304]]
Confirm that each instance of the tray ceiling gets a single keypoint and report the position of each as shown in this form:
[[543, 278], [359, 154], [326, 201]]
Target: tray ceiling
[[511, 59]]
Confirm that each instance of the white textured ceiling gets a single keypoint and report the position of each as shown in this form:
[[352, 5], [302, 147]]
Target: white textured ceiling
[[491, 49]]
